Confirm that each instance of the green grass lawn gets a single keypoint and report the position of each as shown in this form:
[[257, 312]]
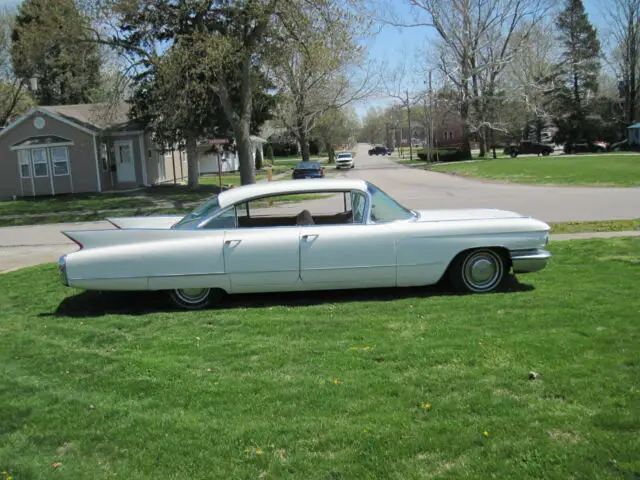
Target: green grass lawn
[[597, 170], [599, 226], [176, 195], [402, 384]]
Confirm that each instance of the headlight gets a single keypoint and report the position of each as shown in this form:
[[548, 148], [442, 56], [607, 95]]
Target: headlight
[[62, 269]]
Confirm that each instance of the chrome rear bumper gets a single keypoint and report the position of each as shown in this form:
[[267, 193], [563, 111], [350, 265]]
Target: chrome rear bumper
[[62, 269], [528, 261]]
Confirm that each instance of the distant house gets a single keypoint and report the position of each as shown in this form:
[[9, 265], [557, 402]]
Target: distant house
[[634, 134], [64, 149], [81, 148], [447, 131], [218, 152]]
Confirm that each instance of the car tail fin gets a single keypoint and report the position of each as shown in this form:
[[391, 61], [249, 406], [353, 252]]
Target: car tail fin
[[72, 236]]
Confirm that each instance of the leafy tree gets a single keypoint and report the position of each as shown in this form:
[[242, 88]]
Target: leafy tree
[[14, 97], [338, 126], [176, 98], [477, 42], [316, 63], [47, 44], [578, 71], [210, 65], [624, 19]]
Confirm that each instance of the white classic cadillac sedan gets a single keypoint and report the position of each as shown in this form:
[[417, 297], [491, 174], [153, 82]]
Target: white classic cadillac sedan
[[320, 234]]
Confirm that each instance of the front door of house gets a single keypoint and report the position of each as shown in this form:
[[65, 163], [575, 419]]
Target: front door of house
[[125, 166]]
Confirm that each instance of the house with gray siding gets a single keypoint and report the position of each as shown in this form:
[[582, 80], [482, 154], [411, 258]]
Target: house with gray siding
[[66, 149]]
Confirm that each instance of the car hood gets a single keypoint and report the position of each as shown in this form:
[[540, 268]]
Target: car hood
[[465, 214]]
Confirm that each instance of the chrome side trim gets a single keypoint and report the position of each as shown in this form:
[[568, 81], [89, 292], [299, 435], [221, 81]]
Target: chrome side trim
[[528, 261], [160, 275]]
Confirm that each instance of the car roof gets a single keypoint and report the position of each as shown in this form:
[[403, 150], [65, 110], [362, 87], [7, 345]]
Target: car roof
[[307, 164], [285, 187]]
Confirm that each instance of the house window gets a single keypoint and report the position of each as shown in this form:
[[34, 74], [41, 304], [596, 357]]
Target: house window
[[24, 161], [39, 158], [450, 135], [60, 161]]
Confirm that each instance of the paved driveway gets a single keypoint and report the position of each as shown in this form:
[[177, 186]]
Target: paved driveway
[[419, 189], [33, 245]]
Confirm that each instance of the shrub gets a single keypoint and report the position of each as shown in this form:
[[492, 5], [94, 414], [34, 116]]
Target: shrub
[[268, 152], [443, 155], [284, 149]]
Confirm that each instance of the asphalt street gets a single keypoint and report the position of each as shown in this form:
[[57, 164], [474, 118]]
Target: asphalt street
[[415, 188]]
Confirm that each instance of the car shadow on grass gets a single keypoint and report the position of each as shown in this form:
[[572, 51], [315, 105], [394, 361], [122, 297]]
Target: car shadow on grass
[[97, 304]]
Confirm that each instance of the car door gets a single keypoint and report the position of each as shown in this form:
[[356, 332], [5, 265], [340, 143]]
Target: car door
[[356, 255], [262, 259], [347, 256]]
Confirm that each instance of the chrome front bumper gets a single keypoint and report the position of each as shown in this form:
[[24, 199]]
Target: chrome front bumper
[[528, 261]]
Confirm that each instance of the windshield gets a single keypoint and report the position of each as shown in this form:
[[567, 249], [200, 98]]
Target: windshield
[[384, 208], [199, 214]]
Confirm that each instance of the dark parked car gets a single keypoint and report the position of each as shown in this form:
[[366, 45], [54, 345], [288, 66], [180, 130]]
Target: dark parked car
[[585, 146], [308, 170], [380, 151], [527, 146]]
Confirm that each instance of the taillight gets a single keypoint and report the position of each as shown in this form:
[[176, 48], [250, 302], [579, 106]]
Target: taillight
[[322, 171]]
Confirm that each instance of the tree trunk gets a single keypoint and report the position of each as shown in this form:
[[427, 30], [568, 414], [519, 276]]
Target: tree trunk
[[247, 164], [483, 141], [331, 152], [193, 169], [464, 118], [259, 158], [303, 137], [241, 122]]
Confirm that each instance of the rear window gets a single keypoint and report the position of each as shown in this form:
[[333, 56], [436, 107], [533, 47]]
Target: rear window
[[308, 166]]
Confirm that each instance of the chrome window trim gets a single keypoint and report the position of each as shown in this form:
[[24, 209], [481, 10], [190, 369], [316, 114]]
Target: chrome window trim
[[367, 212]]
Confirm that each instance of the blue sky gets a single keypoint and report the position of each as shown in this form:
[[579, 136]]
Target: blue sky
[[392, 43]]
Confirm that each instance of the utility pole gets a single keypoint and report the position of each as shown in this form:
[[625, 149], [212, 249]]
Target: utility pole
[[410, 132], [431, 136]]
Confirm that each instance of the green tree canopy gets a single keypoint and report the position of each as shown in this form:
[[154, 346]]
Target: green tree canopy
[[577, 73], [47, 44]]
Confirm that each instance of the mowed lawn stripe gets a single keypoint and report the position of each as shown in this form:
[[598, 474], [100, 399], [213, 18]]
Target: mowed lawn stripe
[[408, 383], [595, 170]]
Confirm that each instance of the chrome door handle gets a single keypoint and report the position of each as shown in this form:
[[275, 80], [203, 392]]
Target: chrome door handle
[[232, 242], [312, 236]]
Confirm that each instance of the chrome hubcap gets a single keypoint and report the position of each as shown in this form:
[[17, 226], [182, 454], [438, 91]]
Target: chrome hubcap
[[482, 271], [192, 295]]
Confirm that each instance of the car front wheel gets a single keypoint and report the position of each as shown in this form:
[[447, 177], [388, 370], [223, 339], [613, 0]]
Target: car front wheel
[[195, 298], [478, 271]]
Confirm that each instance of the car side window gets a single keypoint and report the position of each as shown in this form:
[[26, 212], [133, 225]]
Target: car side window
[[357, 207], [227, 219]]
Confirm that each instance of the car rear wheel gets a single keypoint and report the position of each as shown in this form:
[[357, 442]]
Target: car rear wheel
[[478, 271], [195, 298]]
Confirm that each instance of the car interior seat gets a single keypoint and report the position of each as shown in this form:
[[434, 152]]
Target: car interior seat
[[304, 218]]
